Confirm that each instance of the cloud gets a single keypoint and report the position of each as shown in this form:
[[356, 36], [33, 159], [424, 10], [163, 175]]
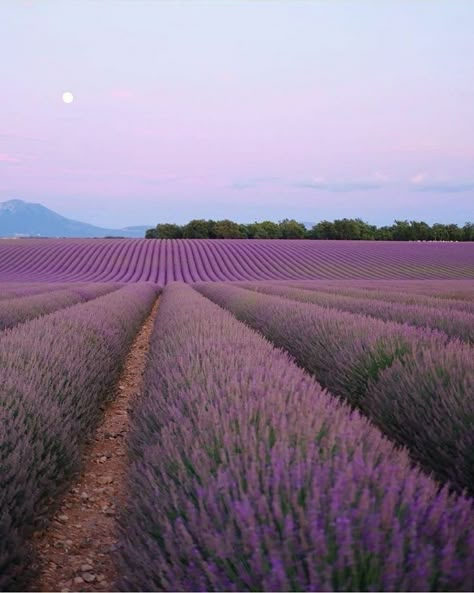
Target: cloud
[[447, 187], [338, 186], [243, 185], [317, 183], [419, 178], [160, 178], [423, 182], [253, 182], [7, 158], [381, 176]]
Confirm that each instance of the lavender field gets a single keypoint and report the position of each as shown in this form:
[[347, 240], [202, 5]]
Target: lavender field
[[236, 296], [306, 420], [162, 261]]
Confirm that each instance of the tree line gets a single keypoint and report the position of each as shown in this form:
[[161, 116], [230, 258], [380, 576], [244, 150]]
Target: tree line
[[344, 229]]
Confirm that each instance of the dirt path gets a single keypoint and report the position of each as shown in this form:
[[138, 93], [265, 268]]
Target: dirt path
[[75, 553]]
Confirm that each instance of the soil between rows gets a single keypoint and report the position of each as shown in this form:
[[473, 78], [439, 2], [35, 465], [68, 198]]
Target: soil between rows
[[76, 551]]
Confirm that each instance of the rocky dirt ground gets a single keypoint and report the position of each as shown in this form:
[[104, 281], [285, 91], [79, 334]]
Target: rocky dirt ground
[[76, 551]]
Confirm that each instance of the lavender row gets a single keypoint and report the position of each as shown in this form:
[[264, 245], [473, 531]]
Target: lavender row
[[389, 295], [416, 385], [15, 311], [459, 289], [56, 372], [196, 260], [456, 324], [12, 291], [247, 476]]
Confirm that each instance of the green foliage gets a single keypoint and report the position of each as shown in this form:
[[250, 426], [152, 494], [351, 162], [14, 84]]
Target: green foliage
[[291, 229], [226, 229], [169, 231], [198, 229], [353, 229], [264, 230], [401, 230], [468, 231], [151, 234], [345, 228], [165, 231]]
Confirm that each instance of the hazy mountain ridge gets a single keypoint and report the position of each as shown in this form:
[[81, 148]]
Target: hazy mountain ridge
[[26, 219]]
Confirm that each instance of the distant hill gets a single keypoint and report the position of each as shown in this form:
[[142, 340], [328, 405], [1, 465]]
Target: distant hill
[[25, 219]]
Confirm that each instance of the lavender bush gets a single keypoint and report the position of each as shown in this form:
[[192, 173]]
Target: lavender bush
[[16, 290], [390, 294], [454, 323], [15, 311], [246, 475], [56, 372], [348, 353], [461, 289], [436, 387]]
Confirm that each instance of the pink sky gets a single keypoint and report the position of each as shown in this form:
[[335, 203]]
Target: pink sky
[[245, 110]]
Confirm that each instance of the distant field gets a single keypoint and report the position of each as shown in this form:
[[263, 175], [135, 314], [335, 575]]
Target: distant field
[[164, 261]]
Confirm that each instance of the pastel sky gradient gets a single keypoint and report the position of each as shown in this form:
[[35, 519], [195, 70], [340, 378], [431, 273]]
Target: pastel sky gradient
[[249, 110]]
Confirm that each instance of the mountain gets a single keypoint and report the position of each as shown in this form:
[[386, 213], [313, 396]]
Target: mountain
[[25, 219]]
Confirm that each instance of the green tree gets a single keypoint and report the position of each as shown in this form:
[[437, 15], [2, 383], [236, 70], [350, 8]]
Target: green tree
[[421, 231], [196, 229], [291, 229], [384, 233], [244, 231], [211, 229], [402, 231], [322, 230], [169, 231], [468, 231], [454, 232], [151, 234], [226, 229], [346, 229], [439, 232], [264, 230], [342, 228], [366, 231]]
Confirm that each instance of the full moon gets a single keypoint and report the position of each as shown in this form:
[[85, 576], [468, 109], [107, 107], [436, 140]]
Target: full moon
[[68, 97]]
